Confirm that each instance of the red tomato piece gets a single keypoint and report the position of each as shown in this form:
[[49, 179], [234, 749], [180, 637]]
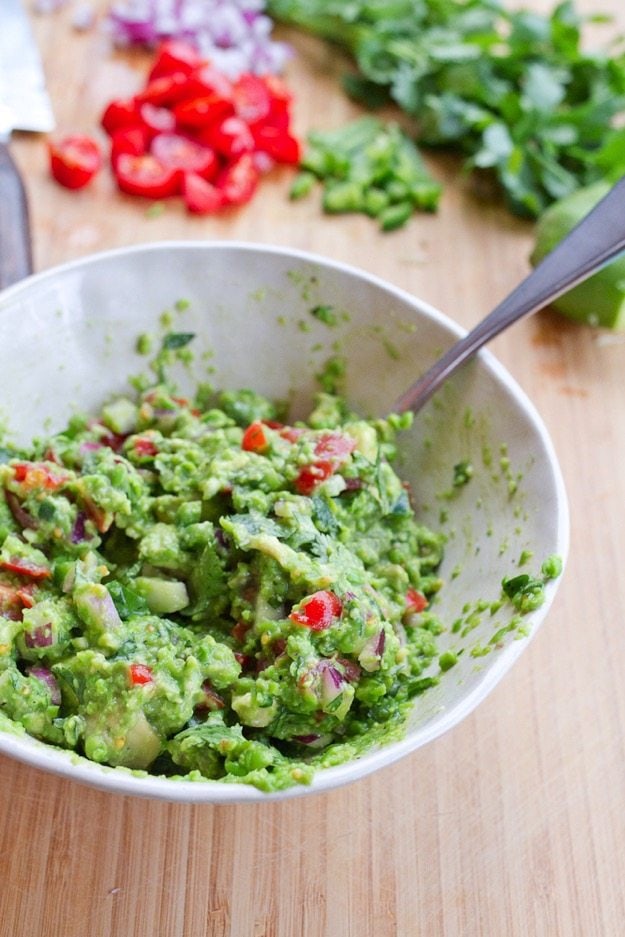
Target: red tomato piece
[[207, 80], [156, 119], [131, 140], [335, 446], [310, 476], [34, 475], [165, 90], [172, 149], [120, 113], [254, 438], [231, 137], [251, 97], [144, 447], [25, 567], [146, 176], [415, 600], [200, 196], [318, 611], [277, 143], [74, 160], [239, 179], [175, 55], [198, 113], [140, 674]]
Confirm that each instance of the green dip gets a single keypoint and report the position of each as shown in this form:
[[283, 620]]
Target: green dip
[[195, 589]]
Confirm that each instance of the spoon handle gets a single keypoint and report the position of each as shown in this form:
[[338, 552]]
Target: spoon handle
[[594, 242]]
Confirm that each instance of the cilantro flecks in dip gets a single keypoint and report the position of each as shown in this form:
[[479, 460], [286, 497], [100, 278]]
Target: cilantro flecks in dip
[[200, 590]]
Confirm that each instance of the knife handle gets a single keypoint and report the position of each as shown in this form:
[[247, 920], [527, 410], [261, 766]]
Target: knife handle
[[16, 260]]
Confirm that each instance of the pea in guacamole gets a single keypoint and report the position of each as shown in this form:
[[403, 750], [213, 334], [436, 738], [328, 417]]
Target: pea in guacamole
[[195, 588]]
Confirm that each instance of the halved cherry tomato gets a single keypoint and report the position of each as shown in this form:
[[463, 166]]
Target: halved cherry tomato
[[140, 674], [200, 112], [318, 611], [144, 447], [74, 160], [156, 119], [132, 140], [146, 176], [231, 137], [335, 446], [165, 90], [200, 196], [239, 180], [207, 80], [175, 55], [254, 438], [183, 153], [120, 113], [33, 475], [252, 100], [415, 600], [277, 143], [310, 476]]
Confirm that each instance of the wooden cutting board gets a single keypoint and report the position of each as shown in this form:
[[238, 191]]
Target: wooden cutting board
[[511, 824]]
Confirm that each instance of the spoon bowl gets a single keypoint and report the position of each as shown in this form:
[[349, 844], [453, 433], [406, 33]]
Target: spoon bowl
[[68, 340]]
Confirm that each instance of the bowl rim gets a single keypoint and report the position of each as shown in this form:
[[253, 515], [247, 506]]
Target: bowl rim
[[67, 764]]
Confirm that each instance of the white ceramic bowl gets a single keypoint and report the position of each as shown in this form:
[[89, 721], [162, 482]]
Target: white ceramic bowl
[[67, 340]]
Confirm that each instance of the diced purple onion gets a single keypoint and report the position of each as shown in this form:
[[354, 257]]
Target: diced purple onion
[[331, 681], [307, 739], [79, 532], [233, 34], [46, 677], [41, 636], [380, 643]]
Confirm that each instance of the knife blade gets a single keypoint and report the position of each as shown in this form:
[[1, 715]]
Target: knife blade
[[24, 105]]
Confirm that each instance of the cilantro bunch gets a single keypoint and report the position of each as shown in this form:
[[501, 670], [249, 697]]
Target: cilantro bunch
[[514, 91]]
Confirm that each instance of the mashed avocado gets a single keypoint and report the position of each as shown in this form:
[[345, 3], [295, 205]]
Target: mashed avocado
[[198, 589]]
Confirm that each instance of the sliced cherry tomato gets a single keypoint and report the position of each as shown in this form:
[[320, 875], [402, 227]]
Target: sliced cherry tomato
[[207, 80], [318, 611], [165, 90], [254, 438], [25, 567], [74, 160], [335, 447], [415, 600], [310, 476], [144, 447], [251, 97], [156, 119], [146, 176], [198, 113], [231, 137], [178, 152], [200, 196], [239, 180], [33, 475], [120, 113], [140, 674], [277, 143], [175, 55], [131, 140]]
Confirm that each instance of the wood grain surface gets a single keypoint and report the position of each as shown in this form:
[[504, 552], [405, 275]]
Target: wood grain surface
[[511, 824]]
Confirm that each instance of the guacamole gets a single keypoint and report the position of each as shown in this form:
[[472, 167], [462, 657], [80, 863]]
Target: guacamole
[[195, 588]]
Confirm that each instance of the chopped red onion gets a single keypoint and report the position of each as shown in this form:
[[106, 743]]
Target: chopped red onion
[[79, 532], [41, 636], [233, 34], [331, 681], [46, 677]]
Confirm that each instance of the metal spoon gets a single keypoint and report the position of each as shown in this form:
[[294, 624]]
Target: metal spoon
[[593, 243]]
